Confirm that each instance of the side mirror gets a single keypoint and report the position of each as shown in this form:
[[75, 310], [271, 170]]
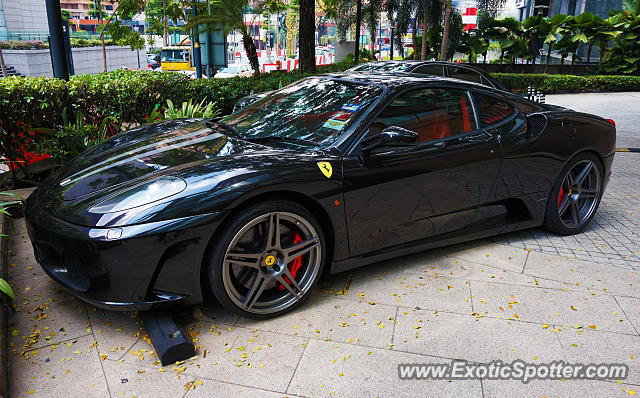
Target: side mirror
[[392, 136]]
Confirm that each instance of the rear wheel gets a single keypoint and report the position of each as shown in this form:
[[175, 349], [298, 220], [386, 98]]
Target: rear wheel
[[575, 196], [267, 260]]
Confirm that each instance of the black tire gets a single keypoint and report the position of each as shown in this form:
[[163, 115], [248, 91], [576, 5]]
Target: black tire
[[226, 277], [568, 224]]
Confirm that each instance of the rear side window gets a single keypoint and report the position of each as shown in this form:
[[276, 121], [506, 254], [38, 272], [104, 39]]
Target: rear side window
[[491, 110], [435, 70], [464, 74]]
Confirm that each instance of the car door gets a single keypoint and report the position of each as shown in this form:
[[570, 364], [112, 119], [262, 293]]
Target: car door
[[526, 166], [411, 193]]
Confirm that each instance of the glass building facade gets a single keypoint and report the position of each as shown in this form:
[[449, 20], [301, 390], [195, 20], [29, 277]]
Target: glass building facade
[[571, 7]]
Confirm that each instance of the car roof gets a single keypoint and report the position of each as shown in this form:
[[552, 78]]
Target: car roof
[[396, 79], [414, 62]]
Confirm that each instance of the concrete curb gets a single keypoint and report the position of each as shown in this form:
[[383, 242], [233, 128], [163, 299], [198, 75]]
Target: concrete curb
[[4, 312]]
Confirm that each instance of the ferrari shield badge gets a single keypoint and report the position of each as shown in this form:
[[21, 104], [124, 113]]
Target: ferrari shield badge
[[325, 168]]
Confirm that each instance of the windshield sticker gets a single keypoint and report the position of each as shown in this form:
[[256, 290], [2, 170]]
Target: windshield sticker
[[334, 124], [340, 115], [350, 107]]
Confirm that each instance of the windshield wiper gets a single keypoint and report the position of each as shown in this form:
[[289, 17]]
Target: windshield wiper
[[280, 138], [229, 128]]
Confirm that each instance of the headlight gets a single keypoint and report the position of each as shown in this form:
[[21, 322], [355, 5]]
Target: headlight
[[141, 195]]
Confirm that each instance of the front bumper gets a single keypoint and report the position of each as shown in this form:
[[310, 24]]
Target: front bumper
[[133, 267]]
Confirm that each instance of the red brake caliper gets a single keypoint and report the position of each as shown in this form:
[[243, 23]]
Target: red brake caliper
[[560, 196], [295, 265]]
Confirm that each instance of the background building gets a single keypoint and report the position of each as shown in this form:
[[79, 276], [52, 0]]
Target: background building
[[23, 20], [568, 7]]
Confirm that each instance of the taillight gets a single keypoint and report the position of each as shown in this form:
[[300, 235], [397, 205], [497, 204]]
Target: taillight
[[612, 122]]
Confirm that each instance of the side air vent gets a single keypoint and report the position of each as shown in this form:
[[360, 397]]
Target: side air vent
[[536, 125]]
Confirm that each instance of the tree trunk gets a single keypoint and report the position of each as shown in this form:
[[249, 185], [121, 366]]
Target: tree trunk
[[562, 60], [165, 33], [445, 32], [573, 62], [357, 27], [414, 39], [308, 36], [3, 67], [425, 28], [372, 37], [104, 50], [501, 59], [546, 65], [603, 49], [485, 57], [252, 54], [589, 55]]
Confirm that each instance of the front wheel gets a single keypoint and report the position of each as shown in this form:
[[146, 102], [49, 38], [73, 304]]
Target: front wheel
[[265, 262], [575, 196]]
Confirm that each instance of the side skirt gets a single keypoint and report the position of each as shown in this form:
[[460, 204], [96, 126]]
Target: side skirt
[[495, 223]]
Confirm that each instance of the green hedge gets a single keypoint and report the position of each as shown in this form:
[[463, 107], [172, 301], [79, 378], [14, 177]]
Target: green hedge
[[39, 45], [27, 104], [568, 83]]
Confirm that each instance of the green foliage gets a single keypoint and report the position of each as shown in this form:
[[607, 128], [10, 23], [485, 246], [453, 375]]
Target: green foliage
[[74, 136], [40, 45], [7, 297], [23, 45], [567, 83], [154, 16], [191, 110], [90, 42], [624, 56], [28, 103]]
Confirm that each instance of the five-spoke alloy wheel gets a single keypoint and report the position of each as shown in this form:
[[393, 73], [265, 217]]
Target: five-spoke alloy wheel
[[268, 259], [575, 196]]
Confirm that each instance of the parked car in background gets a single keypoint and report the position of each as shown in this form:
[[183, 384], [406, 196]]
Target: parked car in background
[[435, 68], [432, 68], [234, 70], [153, 61]]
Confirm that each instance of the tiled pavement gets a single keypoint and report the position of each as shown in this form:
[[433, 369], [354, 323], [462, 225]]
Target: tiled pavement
[[479, 301], [613, 237]]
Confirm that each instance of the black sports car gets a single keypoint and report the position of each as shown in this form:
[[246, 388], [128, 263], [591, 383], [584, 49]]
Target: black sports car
[[435, 68], [332, 172]]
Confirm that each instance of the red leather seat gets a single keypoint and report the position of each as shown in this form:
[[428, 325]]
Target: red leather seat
[[434, 126]]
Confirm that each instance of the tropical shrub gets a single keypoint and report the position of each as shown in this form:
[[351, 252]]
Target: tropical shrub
[[23, 45], [74, 136], [39, 45], [191, 110]]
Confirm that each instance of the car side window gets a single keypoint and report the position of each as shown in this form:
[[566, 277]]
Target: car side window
[[431, 113], [465, 74], [491, 110], [435, 70]]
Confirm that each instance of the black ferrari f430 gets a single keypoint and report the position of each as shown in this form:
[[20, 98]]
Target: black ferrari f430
[[327, 174]]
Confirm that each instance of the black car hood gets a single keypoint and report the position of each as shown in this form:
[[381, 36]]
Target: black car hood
[[141, 153]]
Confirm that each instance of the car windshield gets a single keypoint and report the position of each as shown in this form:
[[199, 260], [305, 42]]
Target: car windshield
[[381, 67], [175, 55], [315, 110]]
